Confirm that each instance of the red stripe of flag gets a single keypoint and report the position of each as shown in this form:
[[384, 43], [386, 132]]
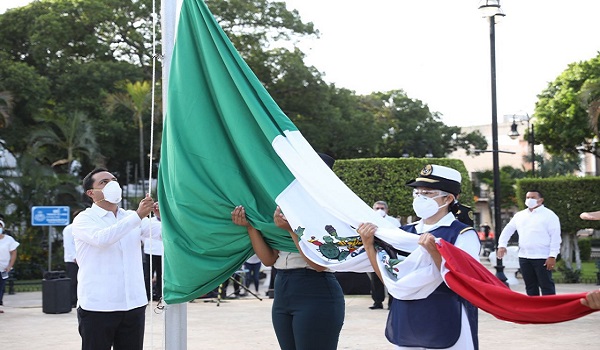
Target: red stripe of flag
[[474, 282]]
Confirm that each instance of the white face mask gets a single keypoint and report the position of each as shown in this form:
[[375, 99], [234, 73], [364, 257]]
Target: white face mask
[[531, 203], [426, 207], [1, 229], [112, 192], [381, 212]]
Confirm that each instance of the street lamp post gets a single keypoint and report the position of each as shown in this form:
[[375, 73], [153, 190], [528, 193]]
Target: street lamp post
[[514, 133], [491, 9]]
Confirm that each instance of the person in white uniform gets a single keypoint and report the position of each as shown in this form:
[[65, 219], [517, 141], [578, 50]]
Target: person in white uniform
[[539, 244], [111, 291]]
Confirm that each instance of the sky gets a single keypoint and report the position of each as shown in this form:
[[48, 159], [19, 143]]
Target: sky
[[438, 51]]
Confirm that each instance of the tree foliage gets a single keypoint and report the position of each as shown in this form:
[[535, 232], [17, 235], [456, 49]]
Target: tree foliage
[[413, 129], [68, 137], [137, 99], [255, 25], [564, 110], [21, 188], [60, 60], [508, 178], [6, 103]]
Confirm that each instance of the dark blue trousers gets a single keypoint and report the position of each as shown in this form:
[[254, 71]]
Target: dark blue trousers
[[536, 277], [2, 284], [377, 289], [123, 330], [308, 310], [253, 274], [72, 269]]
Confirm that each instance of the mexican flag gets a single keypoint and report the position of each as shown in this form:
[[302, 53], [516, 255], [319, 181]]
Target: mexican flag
[[227, 143]]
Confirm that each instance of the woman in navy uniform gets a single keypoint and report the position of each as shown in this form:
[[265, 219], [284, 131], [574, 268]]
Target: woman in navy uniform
[[441, 320]]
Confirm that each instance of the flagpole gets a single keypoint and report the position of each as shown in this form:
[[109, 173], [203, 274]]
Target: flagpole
[[175, 331]]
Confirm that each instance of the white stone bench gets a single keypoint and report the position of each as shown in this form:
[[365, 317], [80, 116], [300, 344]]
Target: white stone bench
[[510, 263]]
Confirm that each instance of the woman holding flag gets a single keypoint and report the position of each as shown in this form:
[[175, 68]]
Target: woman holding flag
[[308, 307], [442, 319]]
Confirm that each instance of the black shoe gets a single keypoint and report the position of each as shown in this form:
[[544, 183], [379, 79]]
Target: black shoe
[[376, 306]]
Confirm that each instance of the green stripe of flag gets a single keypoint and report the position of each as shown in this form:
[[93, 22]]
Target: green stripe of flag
[[216, 154]]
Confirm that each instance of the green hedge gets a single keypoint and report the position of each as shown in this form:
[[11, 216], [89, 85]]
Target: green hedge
[[585, 249], [566, 196], [376, 179]]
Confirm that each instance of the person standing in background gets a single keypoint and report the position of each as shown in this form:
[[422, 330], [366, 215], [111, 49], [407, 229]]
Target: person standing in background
[[70, 258], [8, 256], [539, 243], [153, 251], [382, 208], [377, 287], [253, 265]]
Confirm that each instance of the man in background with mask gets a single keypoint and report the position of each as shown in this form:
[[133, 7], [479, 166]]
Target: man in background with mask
[[377, 287], [111, 291], [539, 243], [441, 320], [381, 208], [70, 258]]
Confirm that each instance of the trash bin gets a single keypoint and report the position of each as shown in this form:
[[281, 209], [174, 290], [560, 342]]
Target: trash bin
[[56, 293]]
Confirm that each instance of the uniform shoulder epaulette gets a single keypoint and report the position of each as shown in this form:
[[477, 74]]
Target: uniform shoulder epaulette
[[465, 230]]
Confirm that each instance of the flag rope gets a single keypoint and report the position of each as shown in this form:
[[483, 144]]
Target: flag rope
[[150, 164]]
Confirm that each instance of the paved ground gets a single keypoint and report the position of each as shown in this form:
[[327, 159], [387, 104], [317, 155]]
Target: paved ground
[[245, 323]]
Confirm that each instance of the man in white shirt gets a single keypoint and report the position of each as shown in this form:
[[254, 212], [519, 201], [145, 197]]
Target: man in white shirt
[[111, 292], [539, 244], [377, 287], [153, 253]]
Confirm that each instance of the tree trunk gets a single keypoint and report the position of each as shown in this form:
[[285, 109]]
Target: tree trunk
[[577, 252], [566, 249]]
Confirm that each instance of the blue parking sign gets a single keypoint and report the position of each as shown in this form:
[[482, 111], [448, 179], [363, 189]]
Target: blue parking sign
[[50, 216]]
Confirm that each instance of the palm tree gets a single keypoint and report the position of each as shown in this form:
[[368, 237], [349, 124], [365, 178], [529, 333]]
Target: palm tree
[[138, 100], [6, 104], [71, 133]]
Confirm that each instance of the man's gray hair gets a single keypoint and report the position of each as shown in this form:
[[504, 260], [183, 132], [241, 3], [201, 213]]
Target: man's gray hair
[[384, 203]]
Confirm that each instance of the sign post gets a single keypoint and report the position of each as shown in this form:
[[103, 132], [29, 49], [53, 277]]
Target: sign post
[[50, 216]]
